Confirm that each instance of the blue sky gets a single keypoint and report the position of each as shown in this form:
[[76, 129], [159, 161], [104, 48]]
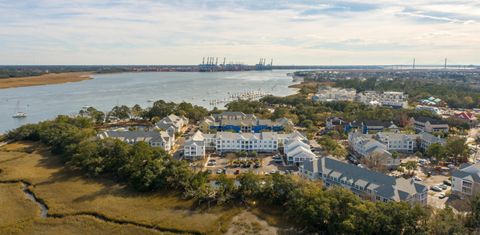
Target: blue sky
[[291, 32]]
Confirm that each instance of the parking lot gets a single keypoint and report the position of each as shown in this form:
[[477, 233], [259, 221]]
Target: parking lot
[[262, 165]]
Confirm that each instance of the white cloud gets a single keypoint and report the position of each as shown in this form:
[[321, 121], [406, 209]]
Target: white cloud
[[292, 32]]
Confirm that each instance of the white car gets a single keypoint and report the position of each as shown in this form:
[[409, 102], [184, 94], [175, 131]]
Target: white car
[[416, 178], [442, 195]]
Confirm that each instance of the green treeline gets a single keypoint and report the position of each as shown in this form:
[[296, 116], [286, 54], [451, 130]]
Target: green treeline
[[310, 207]]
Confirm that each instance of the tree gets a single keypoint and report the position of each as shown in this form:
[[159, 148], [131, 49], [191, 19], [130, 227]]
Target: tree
[[332, 147], [473, 215], [226, 189], [137, 111], [250, 186], [120, 112], [445, 222], [377, 161], [436, 151], [457, 149], [411, 166]]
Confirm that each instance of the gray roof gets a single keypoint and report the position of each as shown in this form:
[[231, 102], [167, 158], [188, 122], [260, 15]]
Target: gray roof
[[385, 186], [431, 120], [136, 136], [431, 138], [468, 172]]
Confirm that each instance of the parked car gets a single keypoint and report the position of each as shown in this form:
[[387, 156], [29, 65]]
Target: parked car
[[273, 172], [219, 171], [436, 188], [442, 196], [447, 182], [443, 186], [416, 178], [278, 160], [237, 172]]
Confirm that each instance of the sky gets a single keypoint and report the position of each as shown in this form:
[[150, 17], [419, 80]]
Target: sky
[[301, 32]]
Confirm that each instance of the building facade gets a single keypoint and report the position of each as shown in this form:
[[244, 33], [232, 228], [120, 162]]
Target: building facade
[[328, 94], [366, 184], [172, 120], [397, 141], [240, 122], [224, 142], [466, 180], [427, 124], [297, 150], [162, 139], [427, 139]]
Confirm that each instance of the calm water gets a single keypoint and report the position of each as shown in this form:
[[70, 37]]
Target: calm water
[[105, 91]]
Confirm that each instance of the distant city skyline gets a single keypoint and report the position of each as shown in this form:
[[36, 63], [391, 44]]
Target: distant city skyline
[[303, 32]]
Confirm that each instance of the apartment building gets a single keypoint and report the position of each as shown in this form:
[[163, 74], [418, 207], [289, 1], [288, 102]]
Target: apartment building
[[427, 124], [466, 180], [163, 139], [367, 184], [397, 141], [328, 94]]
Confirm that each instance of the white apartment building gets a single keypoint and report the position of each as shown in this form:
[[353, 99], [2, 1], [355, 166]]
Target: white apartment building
[[194, 148], [365, 146], [223, 142], [466, 180], [297, 151], [427, 139], [327, 94], [162, 139], [397, 141], [388, 98]]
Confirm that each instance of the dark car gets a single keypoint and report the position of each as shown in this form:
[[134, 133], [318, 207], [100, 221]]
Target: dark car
[[447, 182]]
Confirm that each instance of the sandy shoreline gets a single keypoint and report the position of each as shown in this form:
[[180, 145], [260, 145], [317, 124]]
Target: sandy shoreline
[[46, 79]]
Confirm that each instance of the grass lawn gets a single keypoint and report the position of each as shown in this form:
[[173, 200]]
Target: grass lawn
[[68, 193]]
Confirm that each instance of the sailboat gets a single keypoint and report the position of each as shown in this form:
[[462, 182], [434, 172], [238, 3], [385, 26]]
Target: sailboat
[[19, 114]]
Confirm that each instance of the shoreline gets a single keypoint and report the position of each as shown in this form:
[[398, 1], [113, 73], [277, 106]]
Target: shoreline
[[45, 79]]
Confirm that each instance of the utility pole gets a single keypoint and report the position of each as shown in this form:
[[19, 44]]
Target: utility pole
[[445, 63], [413, 64]]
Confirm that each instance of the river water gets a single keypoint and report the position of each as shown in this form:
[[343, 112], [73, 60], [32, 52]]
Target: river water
[[107, 90]]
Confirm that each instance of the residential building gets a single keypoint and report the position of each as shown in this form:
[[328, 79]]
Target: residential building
[[397, 141], [172, 120], [352, 126], [328, 94], [373, 126], [194, 148], [427, 139], [240, 122], [223, 142], [297, 151], [365, 146], [367, 184], [466, 180], [427, 124], [431, 109], [465, 116], [163, 139], [431, 101], [392, 99], [335, 123]]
